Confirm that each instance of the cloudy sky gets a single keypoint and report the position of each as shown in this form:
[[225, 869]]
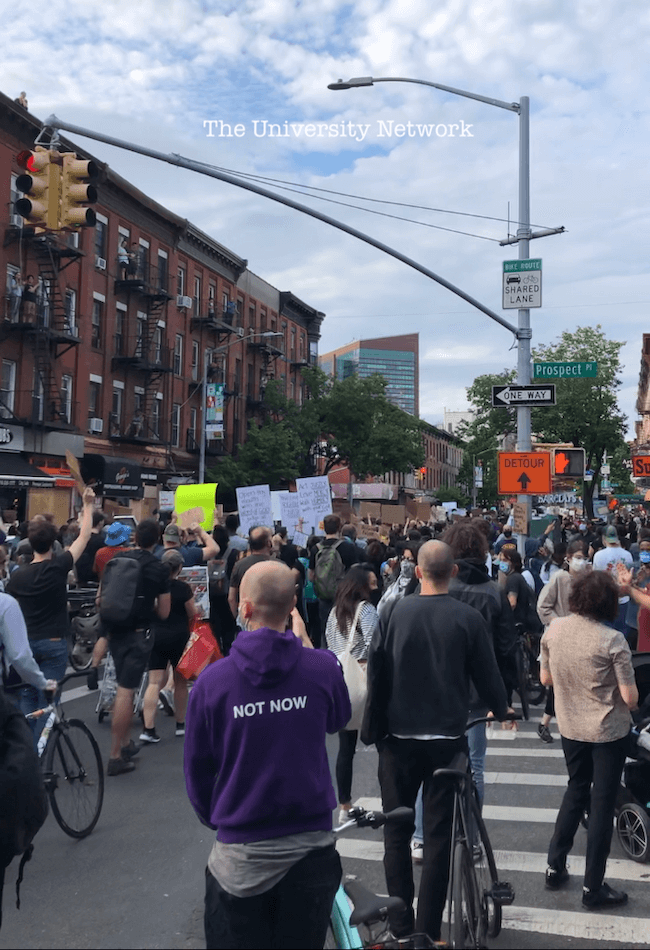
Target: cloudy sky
[[166, 73]]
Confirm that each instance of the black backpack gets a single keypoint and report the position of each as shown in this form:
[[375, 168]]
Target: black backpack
[[22, 793], [121, 596]]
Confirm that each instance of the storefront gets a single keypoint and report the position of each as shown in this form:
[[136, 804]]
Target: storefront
[[17, 477], [117, 480]]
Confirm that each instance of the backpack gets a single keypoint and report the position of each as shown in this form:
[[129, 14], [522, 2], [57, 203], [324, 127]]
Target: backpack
[[218, 579], [22, 793], [328, 570], [121, 596]]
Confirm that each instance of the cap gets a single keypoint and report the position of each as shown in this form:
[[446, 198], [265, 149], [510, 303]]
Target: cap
[[610, 535], [172, 533], [117, 533]]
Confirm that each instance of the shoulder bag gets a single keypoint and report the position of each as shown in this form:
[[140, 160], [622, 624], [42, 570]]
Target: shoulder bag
[[355, 676]]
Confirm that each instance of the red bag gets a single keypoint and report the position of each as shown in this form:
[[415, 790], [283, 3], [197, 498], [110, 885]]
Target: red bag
[[201, 650]]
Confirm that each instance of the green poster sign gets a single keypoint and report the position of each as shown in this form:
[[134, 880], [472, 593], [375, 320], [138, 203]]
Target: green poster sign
[[565, 370]]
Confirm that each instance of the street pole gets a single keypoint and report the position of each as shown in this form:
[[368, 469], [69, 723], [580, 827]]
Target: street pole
[[524, 331], [204, 409]]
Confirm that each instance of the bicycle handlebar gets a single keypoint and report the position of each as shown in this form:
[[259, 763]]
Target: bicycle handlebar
[[361, 818], [511, 717]]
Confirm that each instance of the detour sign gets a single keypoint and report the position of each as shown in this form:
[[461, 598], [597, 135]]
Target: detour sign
[[640, 466], [524, 473]]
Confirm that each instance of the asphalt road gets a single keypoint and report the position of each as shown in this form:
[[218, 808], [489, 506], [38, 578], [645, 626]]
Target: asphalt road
[[138, 880]]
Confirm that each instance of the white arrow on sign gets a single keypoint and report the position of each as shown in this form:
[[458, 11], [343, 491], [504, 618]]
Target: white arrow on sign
[[518, 395]]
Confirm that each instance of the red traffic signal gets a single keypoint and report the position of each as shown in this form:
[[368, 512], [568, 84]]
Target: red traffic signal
[[40, 186], [569, 462]]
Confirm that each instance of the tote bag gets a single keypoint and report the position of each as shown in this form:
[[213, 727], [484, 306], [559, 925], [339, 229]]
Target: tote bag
[[355, 676]]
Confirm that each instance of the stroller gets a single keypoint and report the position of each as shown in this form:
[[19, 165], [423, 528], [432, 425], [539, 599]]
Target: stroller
[[633, 803]]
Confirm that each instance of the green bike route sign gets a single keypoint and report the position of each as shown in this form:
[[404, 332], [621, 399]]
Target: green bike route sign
[[565, 370]]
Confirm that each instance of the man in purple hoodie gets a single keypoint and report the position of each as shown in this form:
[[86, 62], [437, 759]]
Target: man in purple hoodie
[[256, 770]]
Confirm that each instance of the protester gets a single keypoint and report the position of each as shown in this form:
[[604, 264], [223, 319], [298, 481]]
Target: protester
[[611, 554], [273, 870], [260, 544], [590, 668]]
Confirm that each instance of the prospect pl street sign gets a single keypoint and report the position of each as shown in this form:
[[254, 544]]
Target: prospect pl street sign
[[523, 395], [565, 370]]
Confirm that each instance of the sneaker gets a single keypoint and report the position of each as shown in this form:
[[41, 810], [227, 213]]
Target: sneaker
[[605, 896], [167, 701], [93, 678], [180, 729], [149, 735], [544, 733], [417, 851], [344, 815], [128, 751], [119, 766], [555, 879]]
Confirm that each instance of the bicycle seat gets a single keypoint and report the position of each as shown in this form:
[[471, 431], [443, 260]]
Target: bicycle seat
[[368, 907], [457, 768]]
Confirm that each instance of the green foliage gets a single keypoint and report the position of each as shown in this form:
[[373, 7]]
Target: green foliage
[[483, 433]]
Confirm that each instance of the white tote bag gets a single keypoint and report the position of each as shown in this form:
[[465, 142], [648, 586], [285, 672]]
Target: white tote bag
[[355, 676]]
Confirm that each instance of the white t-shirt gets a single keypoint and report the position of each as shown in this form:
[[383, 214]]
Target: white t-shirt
[[608, 557]]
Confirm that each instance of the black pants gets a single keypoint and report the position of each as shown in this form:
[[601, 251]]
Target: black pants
[[313, 623], [347, 748], [594, 773], [404, 764], [292, 915], [549, 708], [222, 623]]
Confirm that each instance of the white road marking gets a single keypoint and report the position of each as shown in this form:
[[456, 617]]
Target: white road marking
[[537, 753], [491, 812]]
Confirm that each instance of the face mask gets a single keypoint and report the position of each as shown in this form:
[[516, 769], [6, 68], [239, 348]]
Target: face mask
[[375, 597], [644, 557], [241, 623], [577, 563], [504, 566], [583, 527], [407, 568]]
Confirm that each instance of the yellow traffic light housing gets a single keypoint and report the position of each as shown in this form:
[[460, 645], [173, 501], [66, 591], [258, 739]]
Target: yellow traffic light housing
[[40, 185], [77, 192]]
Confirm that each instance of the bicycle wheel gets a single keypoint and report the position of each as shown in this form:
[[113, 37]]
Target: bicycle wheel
[[466, 918], [75, 777], [486, 874]]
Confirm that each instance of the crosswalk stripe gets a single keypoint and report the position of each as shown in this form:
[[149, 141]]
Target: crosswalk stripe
[[491, 812], [529, 862], [536, 753], [524, 778], [590, 926]]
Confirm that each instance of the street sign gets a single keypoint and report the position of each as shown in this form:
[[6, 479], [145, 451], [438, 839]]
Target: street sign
[[523, 395], [640, 466], [524, 473], [522, 284], [565, 370]]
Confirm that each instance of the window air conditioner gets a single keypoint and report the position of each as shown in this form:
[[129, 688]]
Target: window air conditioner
[[96, 426], [183, 301], [239, 331], [100, 263]]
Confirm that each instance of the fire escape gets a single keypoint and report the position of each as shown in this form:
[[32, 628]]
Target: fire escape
[[45, 323], [140, 350]]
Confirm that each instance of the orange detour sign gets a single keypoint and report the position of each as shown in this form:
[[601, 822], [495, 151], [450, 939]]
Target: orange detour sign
[[640, 466], [524, 473]]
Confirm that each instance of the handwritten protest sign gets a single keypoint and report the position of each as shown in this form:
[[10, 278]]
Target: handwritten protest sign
[[290, 512], [300, 539], [275, 505], [73, 465], [254, 504], [393, 514], [197, 578], [315, 499], [188, 517], [370, 509], [197, 496]]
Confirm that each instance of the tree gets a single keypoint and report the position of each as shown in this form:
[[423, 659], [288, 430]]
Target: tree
[[587, 412], [483, 434]]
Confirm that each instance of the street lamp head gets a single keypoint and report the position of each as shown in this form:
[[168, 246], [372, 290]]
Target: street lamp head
[[271, 333], [351, 83]]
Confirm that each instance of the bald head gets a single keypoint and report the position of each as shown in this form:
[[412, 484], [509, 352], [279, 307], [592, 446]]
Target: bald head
[[436, 562], [259, 540], [267, 595]]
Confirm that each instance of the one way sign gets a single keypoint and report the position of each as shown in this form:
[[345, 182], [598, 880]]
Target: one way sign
[[523, 395]]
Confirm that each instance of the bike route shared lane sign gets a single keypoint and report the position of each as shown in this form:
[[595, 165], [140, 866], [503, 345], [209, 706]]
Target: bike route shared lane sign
[[524, 395], [524, 473], [522, 284]]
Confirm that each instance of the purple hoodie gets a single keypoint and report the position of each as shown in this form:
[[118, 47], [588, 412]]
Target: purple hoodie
[[255, 758]]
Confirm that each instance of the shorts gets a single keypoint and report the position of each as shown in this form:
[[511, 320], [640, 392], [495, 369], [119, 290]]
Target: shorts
[[130, 653], [167, 648]]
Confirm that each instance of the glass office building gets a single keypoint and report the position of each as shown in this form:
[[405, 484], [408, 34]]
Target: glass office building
[[393, 357]]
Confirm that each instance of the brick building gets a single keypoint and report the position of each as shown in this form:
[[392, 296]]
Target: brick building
[[108, 360]]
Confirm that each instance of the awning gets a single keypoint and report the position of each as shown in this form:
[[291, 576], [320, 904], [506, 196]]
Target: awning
[[15, 472], [62, 475], [115, 477]]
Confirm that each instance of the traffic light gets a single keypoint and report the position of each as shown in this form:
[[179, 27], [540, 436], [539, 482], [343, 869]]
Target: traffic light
[[40, 185], [77, 191], [569, 462]]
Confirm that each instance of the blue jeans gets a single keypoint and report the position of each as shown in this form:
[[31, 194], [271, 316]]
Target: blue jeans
[[52, 657]]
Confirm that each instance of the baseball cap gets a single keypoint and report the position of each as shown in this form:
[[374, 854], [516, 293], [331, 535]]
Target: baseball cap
[[172, 533], [610, 535], [117, 533]]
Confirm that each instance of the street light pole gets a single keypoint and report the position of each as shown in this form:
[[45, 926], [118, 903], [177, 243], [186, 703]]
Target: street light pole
[[204, 388], [524, 332]]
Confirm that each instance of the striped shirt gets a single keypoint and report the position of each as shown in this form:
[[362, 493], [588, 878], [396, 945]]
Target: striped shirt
[[337, 642]]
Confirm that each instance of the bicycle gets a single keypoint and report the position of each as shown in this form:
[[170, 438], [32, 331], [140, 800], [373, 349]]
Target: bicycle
[[73, 771], [531, 691]]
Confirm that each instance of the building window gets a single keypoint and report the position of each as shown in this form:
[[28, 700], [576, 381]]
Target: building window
[[156, 345], [14, 294], [178, 355], [37, 397], [262, 321], [192, 427], [66, 399], [180, 282], [195, 360], [141, 334], [212, 296], [101, 229], [155, 418], [176, 425], [162, 271], [118, 342], [43, 302], [70, 310], [94, 397], [116, 412], [197, 296], [7, 389], [97, 324]]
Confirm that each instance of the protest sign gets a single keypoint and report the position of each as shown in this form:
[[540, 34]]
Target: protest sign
[[188, 517], [197, 578], [166, 500], [275, 505], [300, 539], [370, 509], [393, 514], [254, 504], [73, 465], [197, 496], [290, 512], [315, 499]]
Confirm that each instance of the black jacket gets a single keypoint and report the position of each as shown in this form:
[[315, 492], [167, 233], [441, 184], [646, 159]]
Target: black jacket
[[420, 665]]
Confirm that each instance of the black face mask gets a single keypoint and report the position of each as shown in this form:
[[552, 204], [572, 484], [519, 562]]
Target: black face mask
[[375, 597]]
